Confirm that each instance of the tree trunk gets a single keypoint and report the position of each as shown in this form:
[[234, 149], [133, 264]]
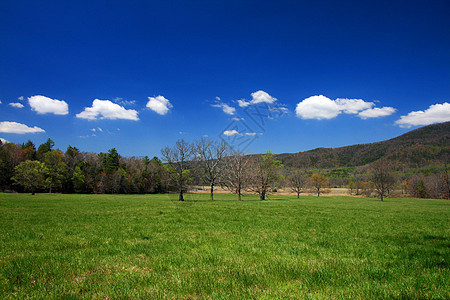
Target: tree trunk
[[239, 195], [180, 186], [298, 195], [262, 196], [318, 193], [212, 191], [50, 190]]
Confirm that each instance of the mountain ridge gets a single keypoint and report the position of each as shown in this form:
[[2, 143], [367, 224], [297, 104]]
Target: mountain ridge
[[417, 148]]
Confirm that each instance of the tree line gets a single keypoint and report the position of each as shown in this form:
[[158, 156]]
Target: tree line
[[205, 162]]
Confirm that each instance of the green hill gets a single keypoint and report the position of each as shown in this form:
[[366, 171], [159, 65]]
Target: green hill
[[421, 147]]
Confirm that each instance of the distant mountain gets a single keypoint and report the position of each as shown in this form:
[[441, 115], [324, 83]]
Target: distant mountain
[[418, 148]]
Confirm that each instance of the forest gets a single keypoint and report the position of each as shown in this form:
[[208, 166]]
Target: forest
[[25, 168]]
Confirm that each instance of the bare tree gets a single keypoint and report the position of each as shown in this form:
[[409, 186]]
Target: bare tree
[[235, 176], [318, 182], [210, 154], [382, 178], [264, 174], [177, 158], [445, 181], [417, 187], [296, 182]]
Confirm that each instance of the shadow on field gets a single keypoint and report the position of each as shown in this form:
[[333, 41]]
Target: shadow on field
[[384, 200], [198, 197]]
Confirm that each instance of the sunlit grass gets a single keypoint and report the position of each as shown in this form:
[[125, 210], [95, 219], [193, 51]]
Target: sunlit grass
[[149, 246]]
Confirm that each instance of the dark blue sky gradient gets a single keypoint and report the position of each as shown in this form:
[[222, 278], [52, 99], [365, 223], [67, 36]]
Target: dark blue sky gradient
[[394, 52]]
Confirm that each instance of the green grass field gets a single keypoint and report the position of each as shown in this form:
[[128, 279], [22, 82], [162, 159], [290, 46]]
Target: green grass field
[[150, 246]]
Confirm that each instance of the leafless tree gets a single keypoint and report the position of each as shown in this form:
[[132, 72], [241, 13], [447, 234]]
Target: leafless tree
[[235, 176], [264, 174], [296, 182], [177, 158], [382, 178], [210, 155], [445, 181], [318, 182]]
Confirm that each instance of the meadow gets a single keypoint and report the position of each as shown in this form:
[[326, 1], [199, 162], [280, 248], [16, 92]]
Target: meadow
[[152, 246]]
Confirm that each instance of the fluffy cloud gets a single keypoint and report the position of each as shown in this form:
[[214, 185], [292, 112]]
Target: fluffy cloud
[[436, 113], [14, 127], [258, 97], [231, 132], [159, 104], [16, 104], [105, 109], [377, 112], [262, 97], [353, 106], [229, 110], [3, 141], [45, 105], [251, 133], [321, 107], [317, 107], [243, 103]]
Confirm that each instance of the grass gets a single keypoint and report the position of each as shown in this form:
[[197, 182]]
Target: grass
[[150, 246]]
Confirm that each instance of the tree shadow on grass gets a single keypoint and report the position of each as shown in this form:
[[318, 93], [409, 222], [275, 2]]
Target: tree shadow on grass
[[385, 200], [219, 197]]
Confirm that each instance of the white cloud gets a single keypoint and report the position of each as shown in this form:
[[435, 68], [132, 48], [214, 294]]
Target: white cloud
[[251, 133], [243, 103], [353, 106], [120, 101], [238, 119], [436, 113], [99, 129], [321, 107], [159, 104], [20, 98], [262, 97], [45, 105], [231, 132], [14, 127], [16, 104], [105, 109], [317, 107], [257, 97], [3, 141], [229, 110], [128, 102], [377, 112]]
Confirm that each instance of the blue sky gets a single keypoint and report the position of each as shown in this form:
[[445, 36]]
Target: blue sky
[[138, 75]]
